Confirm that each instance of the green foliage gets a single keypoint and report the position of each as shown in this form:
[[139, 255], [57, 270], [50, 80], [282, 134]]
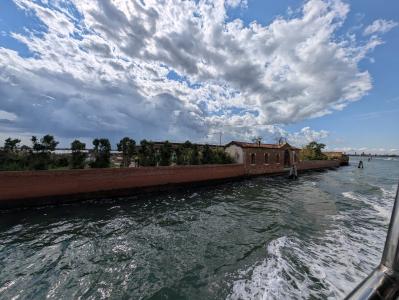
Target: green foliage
[[11, 145], [194, 155], [207, 155], [221, 157], [184, 154], [128, 148], [179, 158], [165, 153], [78, 156], [60, 161], [9, 160], [313, 151], [47, 143], [147, 155], [40, 158], [102, 153]]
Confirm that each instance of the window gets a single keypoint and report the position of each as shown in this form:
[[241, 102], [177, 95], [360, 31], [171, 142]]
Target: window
[[278, 158], [253, 159], [266, 158], [294, 155]]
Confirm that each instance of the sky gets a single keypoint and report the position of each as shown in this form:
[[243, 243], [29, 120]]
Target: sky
[[177, 70]]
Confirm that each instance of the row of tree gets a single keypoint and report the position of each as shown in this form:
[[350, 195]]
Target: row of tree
[[41, 156]]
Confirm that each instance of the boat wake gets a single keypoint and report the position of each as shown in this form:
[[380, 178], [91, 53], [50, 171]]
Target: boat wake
[[329, 266]]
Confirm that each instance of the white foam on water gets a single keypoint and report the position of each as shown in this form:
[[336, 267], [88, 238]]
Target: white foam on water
[[352, 195], [265, 279], [326, 269], [382, 205], [327, 266]]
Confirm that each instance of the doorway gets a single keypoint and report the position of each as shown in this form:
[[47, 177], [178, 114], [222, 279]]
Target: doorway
[[287, 161]]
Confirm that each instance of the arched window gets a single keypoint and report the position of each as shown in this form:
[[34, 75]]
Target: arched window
[[278, 158], [266, 158], [253, 158]]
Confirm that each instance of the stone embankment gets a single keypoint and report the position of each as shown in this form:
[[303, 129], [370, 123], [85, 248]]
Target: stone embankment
[[32, 188]]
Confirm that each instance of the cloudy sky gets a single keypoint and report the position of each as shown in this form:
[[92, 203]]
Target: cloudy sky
[[177, 70]]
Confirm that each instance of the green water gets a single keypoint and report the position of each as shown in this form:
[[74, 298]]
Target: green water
[[262, 238]]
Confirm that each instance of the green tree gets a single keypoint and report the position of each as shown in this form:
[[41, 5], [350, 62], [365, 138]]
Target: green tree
[[313, 151], [11, 145], [194, 155], [207, 155], [102, 153], [179, 151], [165, 154], [128, 148], [9, 157], [41, 156], [221, 157], [78, 156], [147, 155]]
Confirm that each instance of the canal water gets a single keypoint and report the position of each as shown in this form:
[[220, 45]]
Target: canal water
[[262, 238]]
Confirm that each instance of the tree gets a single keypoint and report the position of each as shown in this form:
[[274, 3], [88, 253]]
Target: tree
[[78, 156], [11, 145], [147, 155], [41, 158], [257, 140], [313, 151], [179, 151], [128, 148], [9, 156], [165, 154], [194, 155], [221, 157], [207, 155], [102, 153], [280, 140]]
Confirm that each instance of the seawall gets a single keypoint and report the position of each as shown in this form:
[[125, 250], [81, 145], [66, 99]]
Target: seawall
[[31, 188]]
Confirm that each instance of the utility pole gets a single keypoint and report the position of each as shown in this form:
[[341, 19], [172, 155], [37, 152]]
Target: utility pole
[[220, 138]]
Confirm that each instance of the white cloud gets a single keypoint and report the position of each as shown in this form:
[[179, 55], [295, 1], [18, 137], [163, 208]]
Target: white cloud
[[104, 70], [7, 116], [236, 3], [307, 135], [380, 26]]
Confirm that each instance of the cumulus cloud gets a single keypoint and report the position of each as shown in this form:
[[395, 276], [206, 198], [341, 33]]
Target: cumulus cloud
[[178, 70], [237, 3], [380, 26], [7, 116]]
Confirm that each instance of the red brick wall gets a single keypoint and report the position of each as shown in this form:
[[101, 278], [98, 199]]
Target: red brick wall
[[317, 164], [273, 166], [36, 184], [19, 185]]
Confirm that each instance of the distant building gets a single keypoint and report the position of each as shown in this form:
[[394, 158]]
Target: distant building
[[258, 156], [342, 157]]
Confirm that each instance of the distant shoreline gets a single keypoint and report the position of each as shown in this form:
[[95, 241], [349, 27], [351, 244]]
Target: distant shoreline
[[374, 155]]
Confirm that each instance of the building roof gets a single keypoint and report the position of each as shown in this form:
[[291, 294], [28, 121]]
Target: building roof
[[265, 146]]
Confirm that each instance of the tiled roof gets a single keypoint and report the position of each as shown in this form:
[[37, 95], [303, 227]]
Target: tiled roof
[[256, 145]]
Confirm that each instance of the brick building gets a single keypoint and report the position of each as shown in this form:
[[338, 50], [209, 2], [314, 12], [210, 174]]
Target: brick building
[[261, 158]]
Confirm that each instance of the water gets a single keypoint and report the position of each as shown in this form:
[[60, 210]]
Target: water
[[263, 238]]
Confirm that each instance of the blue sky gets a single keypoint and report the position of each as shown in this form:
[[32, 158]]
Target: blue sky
[[307, 70]]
